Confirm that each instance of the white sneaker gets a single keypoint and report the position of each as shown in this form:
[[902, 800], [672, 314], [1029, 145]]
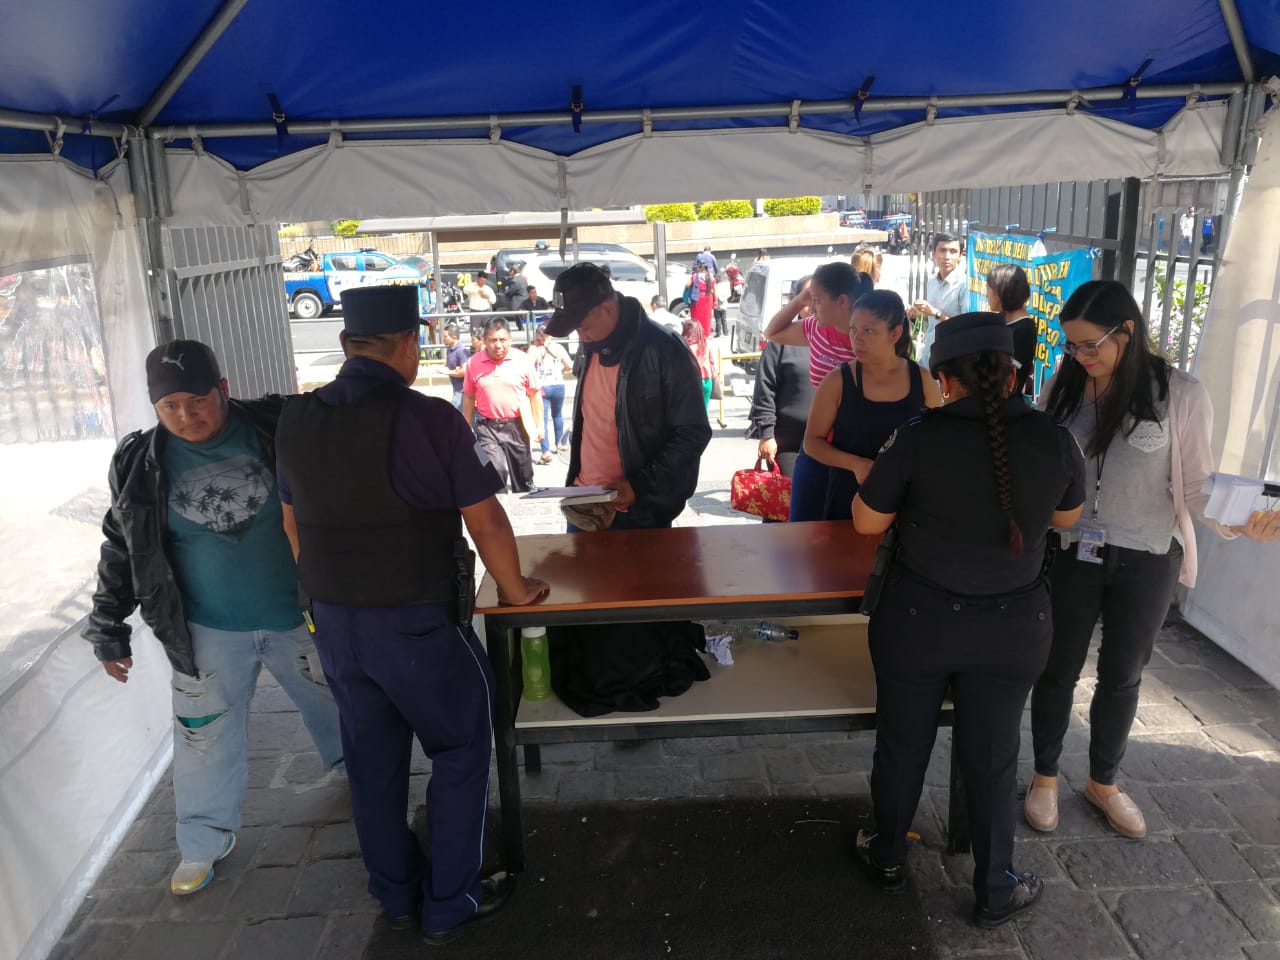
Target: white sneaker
[[194, 875]]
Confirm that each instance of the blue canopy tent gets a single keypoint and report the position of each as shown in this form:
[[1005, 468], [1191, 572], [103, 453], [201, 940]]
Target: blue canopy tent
[[253, 84], [121, 119]]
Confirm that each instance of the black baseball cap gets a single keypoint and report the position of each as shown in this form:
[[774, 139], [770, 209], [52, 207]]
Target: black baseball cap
[[388, 308], [968, 333], [578, 289], [181, 366]]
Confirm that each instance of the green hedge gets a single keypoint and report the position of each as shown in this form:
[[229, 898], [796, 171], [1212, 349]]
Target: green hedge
[[726, 210], [345, 228], [793, 206], [670, 212]]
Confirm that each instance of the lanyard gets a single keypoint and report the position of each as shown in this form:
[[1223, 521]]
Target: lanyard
[[1099, 459]]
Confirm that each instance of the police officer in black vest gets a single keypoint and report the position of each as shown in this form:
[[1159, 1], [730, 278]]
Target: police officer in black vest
[[970, 491], [377, 481]]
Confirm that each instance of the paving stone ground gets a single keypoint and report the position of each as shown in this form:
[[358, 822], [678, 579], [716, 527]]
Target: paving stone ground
[[1204, 764]]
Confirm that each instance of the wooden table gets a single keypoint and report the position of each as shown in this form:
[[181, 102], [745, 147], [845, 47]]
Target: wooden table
[[813, 571]]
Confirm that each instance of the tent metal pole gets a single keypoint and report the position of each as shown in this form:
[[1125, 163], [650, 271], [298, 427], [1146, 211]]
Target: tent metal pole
[[1239, 42], [437, 271], [1231, 129], [1245, 149], [729, 112], [18, 120], [660, 258], [190, 60], [1127, 262]]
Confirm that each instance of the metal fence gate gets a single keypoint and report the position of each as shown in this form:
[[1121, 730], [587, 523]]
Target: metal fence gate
[[1159, 238], [229, 293]]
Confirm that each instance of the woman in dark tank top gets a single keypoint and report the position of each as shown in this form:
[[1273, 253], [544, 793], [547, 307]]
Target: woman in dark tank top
[[859, 404]]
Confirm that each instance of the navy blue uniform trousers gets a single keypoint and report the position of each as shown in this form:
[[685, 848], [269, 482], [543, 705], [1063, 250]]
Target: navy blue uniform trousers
[[990, 650], [396, 673]]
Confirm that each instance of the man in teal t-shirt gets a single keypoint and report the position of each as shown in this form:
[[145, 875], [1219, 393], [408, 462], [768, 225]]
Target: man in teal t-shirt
[[194, 537]]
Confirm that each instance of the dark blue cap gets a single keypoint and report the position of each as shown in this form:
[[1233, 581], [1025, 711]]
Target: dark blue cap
[[390, 308], [968, 333]]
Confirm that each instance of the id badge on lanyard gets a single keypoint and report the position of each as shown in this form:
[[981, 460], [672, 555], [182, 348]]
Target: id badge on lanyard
[[1092, 536], [1089, 547]]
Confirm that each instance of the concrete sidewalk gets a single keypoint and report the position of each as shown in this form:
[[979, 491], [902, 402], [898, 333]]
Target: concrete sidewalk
[[1203, 763]]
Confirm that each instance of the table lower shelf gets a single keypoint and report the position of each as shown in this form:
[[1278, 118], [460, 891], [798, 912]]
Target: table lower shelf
[[825, 673]]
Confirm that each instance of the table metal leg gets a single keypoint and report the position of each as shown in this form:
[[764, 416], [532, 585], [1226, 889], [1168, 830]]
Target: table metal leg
[[498, 642], [957, 812], [532, 759]]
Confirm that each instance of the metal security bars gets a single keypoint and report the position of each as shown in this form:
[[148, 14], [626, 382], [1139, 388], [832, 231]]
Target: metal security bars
[[1161, 238], [230, 294]]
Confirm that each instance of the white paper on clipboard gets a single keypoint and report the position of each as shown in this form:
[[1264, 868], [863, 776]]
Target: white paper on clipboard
[[574, 494], [1232, 500]]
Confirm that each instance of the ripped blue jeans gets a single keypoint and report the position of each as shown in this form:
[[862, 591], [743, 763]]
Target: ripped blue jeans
[[211, 725]]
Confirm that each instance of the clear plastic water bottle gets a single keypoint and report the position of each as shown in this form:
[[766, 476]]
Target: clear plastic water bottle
[[742, 630], [536, 663]]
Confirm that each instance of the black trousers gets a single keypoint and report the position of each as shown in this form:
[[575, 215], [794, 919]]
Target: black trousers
[[1131, 591], [506, 445], [397, 673], [990, 651]]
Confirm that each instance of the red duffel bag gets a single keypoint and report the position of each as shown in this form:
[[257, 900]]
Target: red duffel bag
[[763, 492]]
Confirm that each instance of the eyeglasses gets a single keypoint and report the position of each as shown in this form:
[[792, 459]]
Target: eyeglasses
[[1089, 349]]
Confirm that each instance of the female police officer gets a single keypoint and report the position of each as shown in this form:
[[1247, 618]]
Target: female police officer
[[973, 487]]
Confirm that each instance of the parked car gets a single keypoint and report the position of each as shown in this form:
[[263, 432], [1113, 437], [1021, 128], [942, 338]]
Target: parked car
[[419, 263], [311, 293], [853, 218], [770, 284], [631, 276], [507, 257]]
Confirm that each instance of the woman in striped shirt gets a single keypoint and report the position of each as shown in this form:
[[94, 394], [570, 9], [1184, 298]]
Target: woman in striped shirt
[[818, 317]]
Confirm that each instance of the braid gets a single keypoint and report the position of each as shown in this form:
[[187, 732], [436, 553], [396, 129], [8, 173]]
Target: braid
[[986, 377], [991, 392]]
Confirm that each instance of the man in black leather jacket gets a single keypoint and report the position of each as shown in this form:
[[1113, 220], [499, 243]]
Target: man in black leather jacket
[[195, 538], [639, 419]]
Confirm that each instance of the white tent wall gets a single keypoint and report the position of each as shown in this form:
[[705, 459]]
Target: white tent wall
[[1238, 360], [376, 178], [79, 753]]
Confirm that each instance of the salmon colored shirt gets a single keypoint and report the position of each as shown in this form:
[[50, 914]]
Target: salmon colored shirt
[[600, 459], [500, 389]]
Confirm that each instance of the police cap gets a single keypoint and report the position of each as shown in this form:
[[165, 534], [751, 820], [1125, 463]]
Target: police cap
[[368, 311], [969, 333]]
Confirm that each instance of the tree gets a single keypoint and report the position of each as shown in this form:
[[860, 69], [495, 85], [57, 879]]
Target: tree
[[1180, 324], [725, 210], [345, 228], [793, 206], [670, 212]]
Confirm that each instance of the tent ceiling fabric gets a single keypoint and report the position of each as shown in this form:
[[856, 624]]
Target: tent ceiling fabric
[[388, 178], [325, 62]]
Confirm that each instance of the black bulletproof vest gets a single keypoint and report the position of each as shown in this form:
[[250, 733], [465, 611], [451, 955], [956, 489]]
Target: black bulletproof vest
[[359, 543]]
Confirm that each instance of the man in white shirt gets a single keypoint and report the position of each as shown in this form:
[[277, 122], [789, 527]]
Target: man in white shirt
[[944, 294], [660, 314], [480, 296]]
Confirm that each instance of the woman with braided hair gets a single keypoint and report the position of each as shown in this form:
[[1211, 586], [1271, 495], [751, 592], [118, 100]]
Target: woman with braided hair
[[971, 490]]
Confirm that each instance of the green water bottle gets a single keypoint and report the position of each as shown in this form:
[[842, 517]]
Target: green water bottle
[[537, 663]]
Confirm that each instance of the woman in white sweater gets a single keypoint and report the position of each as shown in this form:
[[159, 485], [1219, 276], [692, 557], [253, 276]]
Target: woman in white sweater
[[1145, 431]]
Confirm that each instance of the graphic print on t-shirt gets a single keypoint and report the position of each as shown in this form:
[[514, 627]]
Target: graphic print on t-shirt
[[1149, 436], [222, 497]]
